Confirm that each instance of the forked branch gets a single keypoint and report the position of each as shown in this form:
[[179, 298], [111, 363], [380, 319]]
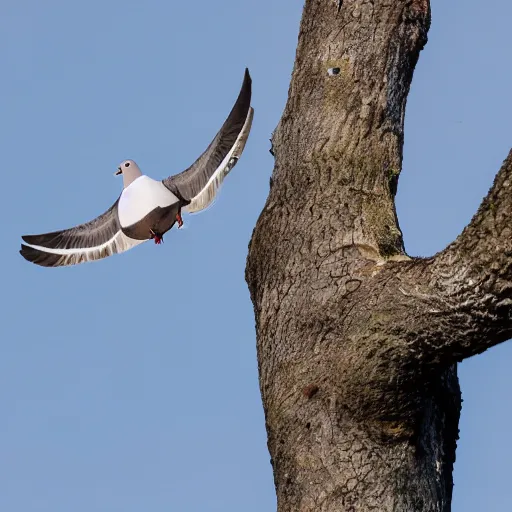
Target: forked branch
[[459, 302]]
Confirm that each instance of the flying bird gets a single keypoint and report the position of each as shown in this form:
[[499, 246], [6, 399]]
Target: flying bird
[[148, 208]]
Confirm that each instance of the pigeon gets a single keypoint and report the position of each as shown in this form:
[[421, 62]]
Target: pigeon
[[148, 208]]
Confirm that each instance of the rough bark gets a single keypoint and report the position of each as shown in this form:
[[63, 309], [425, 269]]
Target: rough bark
[[357, 342]]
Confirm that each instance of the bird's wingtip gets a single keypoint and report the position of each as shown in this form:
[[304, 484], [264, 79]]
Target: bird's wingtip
[[26, 252], [31, 239], [38, 257]]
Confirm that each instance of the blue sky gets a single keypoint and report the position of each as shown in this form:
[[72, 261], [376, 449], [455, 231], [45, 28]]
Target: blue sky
[[131, 384]]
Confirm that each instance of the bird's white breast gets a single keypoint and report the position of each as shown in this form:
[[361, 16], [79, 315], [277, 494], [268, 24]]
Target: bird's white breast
[[141, 197]]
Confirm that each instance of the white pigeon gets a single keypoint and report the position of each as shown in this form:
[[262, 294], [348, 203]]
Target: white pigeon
[[147, 208]]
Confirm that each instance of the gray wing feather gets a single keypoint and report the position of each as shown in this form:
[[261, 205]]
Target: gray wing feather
[[209, 191], [91, 241], [199, 183]]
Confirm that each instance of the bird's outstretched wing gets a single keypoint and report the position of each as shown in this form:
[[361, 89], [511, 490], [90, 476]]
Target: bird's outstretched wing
[[200, 182], [91, 241]]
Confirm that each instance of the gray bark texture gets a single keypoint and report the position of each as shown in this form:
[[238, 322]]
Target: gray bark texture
[[357, 342]]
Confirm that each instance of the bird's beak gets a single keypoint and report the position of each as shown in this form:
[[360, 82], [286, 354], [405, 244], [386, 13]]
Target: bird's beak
[[119, 171]]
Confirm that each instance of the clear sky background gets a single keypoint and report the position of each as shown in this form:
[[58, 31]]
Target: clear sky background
[[131, 384]]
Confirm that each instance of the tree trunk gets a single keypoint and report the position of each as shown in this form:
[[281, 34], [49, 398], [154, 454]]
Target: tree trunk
[[357, 342]]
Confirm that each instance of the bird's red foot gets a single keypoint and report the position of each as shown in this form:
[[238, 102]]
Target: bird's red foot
[[179, 220], [157, 238]]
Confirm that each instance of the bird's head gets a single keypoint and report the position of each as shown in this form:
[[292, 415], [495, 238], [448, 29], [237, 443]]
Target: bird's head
[[130, 171]]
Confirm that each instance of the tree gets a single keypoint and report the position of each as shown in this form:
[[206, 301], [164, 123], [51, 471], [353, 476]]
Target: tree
[[357, 342]]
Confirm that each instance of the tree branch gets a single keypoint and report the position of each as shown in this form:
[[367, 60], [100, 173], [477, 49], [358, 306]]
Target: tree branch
[[457, 303], [474, 273]]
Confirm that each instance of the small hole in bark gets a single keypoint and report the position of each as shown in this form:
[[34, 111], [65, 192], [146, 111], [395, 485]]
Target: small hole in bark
[[310, 391], [308, 425], [333, 71]]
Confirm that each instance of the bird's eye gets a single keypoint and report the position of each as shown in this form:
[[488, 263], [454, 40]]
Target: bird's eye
[[333, 71], [127, 164]]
